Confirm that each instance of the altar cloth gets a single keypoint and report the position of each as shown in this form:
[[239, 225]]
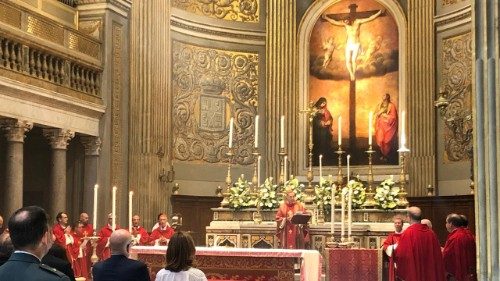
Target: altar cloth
[[353, 264]]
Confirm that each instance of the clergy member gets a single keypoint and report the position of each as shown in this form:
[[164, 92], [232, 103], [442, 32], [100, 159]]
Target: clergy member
[[162, 234], [418, 254], [139, 235], [102, 248], [291, 236], [87, 231], [62, 233], [459, 253], [390, 243], [79, 252]]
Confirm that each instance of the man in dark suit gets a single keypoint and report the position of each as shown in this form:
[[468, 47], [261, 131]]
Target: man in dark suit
[[119, 266], [57, 258], [31, 237]]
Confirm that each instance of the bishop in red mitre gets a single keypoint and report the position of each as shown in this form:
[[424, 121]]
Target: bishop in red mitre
[[390, 243], [459, 253], [291, 236], [418, 253]]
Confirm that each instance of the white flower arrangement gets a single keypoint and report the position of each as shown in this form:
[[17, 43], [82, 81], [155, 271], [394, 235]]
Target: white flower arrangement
[[358, 193], [269, 198], [297, 187], [239, 194], [323, 193], [386, 195]]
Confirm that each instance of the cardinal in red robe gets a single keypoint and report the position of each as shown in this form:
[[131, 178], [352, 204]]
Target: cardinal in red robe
[[418, 253], [459, 253], [386, 125], [161, 235], [291, 236], [62, 233], [390, 242], [140, 235]]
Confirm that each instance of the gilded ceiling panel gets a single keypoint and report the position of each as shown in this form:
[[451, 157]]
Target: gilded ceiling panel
[[231, 10]]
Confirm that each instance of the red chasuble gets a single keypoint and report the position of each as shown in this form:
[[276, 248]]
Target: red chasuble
[[102, 249], [392, 239], [418, 255], [144, 236], [459, 255], [79, 256], [58, 231], [291, 236], [88, 231], [158, 233]]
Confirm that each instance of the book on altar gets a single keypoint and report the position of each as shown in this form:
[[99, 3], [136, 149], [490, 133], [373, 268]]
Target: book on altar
[[300, 218]]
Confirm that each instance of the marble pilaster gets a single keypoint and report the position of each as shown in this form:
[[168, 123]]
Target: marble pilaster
[[58, 140], [15, 131], [92, 150]]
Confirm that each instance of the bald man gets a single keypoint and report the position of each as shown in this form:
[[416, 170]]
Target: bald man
[[119, 266], [427, 222], [418, 254]]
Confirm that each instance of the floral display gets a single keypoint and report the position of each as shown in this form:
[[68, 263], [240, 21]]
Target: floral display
[[386, 195]]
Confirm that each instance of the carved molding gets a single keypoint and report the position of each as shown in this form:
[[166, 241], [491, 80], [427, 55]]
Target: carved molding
[[92, 145], [116, 111], [217, 32], [209, 87], [58, 138], [231, 10], [456, 64], [15, 130], [451, 2], [91, 28]]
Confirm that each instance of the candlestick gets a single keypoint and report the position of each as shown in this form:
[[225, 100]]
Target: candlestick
[[229, 180], [282, 131], [320, 168], [402, 143], [370, 133], [342, 214], [285, 162], [258, 170], [113, 208], [231, 123], [256, 135], [130, 195], [349, 200], [340, 130], [332, 210], [96, 188], [348, 168], [370, 201]]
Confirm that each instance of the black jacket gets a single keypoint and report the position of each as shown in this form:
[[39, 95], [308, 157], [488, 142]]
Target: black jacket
[[25, 267], [119, 267]]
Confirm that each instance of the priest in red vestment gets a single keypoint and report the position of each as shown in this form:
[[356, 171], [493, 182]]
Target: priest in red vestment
[[139, 235], [62, 233], [459, 253], [87, 231], [102, 248], [386, 126], [418, 254], [291, 236], [162, 234], [390, 242], [79, 252]]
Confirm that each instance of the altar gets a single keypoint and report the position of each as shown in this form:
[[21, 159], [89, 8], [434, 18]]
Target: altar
[[220, 263]]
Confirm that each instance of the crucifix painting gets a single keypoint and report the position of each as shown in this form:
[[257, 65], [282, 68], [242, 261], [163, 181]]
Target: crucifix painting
[[354, 57]]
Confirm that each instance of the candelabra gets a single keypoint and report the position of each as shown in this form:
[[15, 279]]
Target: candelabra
[[229, 180], [403, 202], [340, 177], [282, 154], [93, 242], [370, 202], [311, 113], [257, 217]]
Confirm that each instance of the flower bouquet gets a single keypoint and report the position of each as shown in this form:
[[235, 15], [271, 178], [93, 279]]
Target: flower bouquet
[[239, 194], [386, 195]]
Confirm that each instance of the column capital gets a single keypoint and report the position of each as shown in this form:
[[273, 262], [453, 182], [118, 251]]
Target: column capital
[[92, 145], [58, 138], [15, 129]]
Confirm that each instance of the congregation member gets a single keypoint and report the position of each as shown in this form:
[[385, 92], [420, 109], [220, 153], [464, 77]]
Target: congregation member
[[80, 251], [459, 253], [427, 222], [291, 236], [56, 258], [32, 238], [418, 254], [162, 234], [119, 266], [140, 235], [6, 248], [62, 233], [102, 248], [390, 243], [180, 259]]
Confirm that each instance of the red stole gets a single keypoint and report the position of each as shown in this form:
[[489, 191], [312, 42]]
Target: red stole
[[459, 255]]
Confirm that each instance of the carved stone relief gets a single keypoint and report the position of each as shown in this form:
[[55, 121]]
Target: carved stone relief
[[232, 10], [209, 87], [91, 27], [456, 64], [450, 2]]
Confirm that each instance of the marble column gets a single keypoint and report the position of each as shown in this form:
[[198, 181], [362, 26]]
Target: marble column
[[58, 139], [13, 192], [92, 149]]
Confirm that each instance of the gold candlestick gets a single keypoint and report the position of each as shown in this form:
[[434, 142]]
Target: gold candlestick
[[340, 176], [309, 190], [370, 202], [281, 177], [257, 217], [229, 180], [403, 202], [93, 242]]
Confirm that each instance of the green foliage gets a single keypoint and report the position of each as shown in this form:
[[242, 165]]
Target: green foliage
[[386, 195]]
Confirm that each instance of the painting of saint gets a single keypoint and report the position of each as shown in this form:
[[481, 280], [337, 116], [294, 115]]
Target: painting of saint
[[322, 133], [353, 61]]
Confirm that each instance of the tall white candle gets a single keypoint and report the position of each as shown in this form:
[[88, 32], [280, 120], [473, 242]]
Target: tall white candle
[[130, 195], [113, 208], [349, 199], [339, 125], [282, 131], [256, 135], [332, 210], [231, 132], [285, 160], [94, 221], [403, 130], [342, 213], [320, 168], [348, 168], [370, 133], [258, 169]]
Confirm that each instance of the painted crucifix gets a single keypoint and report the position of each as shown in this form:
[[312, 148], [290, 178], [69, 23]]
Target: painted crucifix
[[351, 22]]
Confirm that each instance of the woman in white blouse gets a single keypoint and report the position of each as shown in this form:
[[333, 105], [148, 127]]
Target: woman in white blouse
[[180, 260]]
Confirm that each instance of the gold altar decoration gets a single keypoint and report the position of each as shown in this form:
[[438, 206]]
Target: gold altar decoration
[[229, 180], [340, 177], [230, 10], [255, 192], [311, 112], [403, 202], [370, 202]]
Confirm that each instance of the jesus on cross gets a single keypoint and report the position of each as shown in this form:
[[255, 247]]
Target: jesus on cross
[[351, 22]]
